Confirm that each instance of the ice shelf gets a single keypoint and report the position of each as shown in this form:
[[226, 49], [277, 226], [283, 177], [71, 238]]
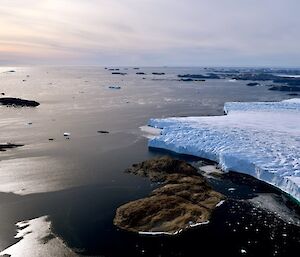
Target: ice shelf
[[258, 138]]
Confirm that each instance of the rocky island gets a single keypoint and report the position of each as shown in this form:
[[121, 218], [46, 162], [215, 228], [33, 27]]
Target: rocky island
[[183, 200], [4, 147], [10, 101], [199, 76], [158, 73], [119, 73]]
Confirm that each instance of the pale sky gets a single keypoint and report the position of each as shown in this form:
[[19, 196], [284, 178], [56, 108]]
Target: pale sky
[[150, 32]]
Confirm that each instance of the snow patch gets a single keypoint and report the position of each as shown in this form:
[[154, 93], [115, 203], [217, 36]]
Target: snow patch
[[220, 203], [209, 169], [160, 233]]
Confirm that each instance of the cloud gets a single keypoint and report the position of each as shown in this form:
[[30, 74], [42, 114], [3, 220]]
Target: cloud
[[148, 32]]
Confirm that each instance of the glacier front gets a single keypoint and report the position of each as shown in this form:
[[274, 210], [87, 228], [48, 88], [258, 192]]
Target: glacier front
[[258, 138]]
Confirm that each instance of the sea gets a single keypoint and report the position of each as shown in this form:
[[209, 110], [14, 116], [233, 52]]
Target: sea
[[78, 181]]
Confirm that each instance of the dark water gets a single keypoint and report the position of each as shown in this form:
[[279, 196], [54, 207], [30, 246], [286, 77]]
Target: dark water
[[80, 182]]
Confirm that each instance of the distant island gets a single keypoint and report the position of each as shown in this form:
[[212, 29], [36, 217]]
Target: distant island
[[18, 102]]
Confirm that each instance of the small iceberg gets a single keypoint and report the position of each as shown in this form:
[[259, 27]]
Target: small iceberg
[[114, 87], [261, 139], [150, 132]]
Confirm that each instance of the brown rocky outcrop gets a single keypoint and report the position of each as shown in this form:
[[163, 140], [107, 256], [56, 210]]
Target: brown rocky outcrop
[[184, 200]]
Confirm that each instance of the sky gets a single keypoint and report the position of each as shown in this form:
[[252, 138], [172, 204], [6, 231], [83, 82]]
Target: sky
[[150, 32]]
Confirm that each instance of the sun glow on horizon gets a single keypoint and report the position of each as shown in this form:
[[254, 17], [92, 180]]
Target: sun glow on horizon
[[149, 32]]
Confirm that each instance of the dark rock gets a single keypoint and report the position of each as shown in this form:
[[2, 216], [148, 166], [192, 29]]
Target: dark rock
[[140, 73], [253, 84], [158, 73], [186, 80], [10, 101], [189, 80], [2, 93], [4, 147], [103, 132], [285, 88], [119, 73], [47, 238], [185, 199]]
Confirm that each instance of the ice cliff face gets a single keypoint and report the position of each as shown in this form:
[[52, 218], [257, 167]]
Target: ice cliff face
[[261, 139]]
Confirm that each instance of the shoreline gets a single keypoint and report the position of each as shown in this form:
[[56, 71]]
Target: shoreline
[[181, 230], [195, 157]]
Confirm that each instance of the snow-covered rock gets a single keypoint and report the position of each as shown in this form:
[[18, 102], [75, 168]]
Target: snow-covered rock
[[260, 138]]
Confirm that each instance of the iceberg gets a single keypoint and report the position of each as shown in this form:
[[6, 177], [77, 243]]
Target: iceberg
[[261, 139]]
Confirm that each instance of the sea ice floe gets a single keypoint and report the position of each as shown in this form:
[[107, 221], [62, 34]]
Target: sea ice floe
[[258, 138], [36, 239], [150, 132]]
